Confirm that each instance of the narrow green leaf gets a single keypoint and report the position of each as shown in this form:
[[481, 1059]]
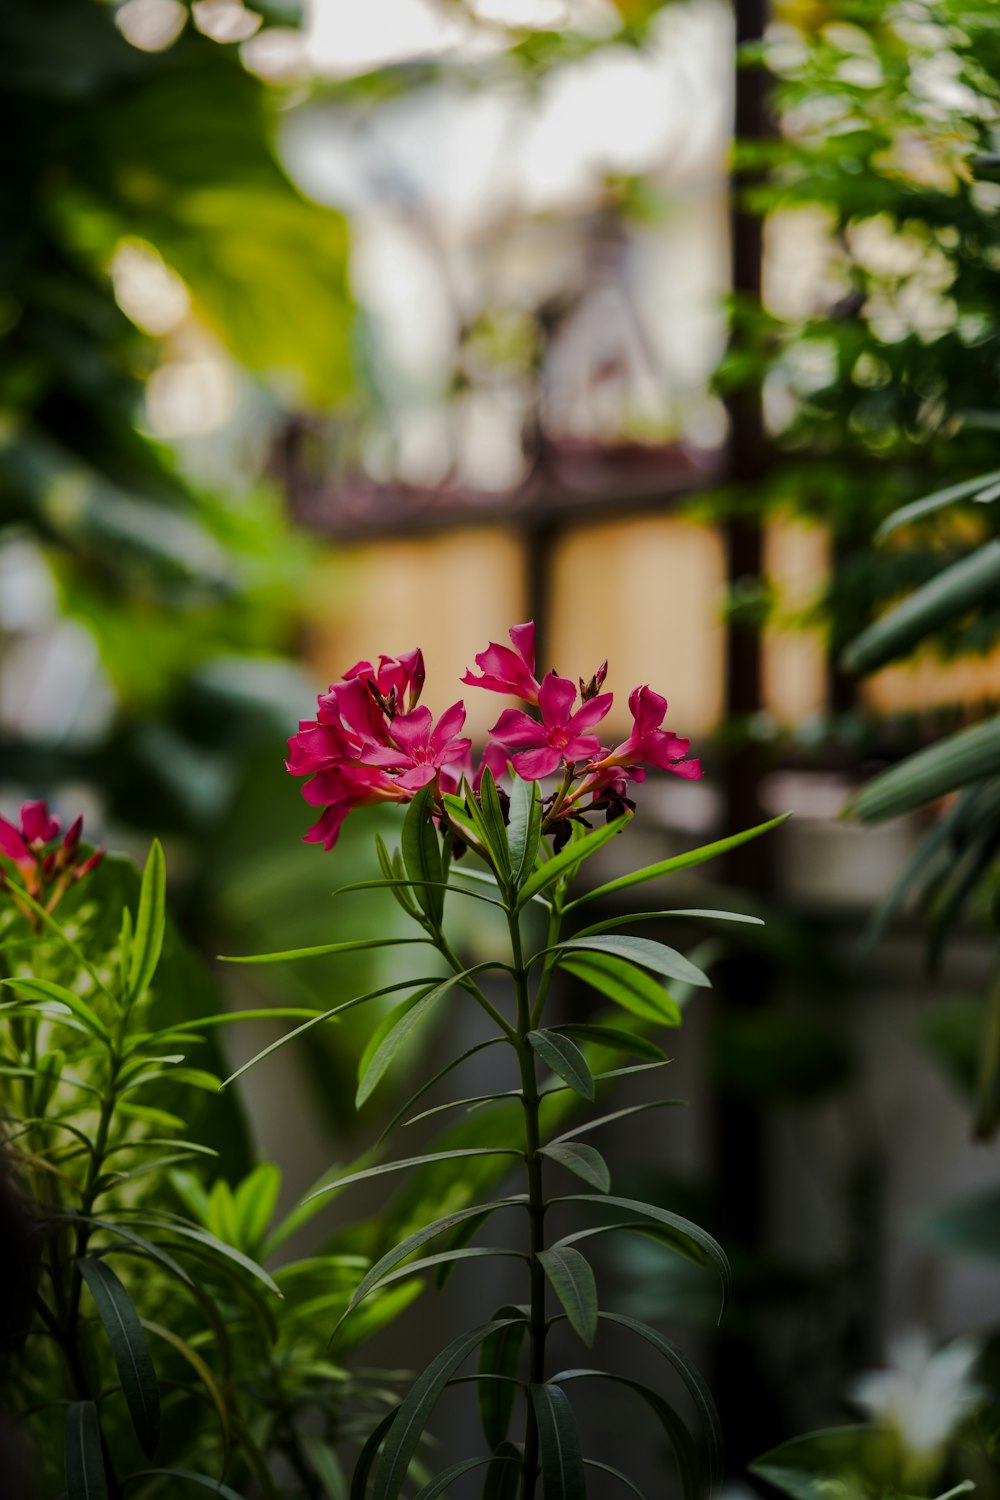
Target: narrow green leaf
[[696, 1387], [406, 1247], [641, 951], [500, 1354], [437, 1486], [677, 1434], [568, 860], [327, 1466], [150, 923], [583, 1160], [129, 1350], [325, 1015], [125, 948], [425, 1088], [572, 1280], [46, 989], [356, 946], [631, 988], [493, 824], [524, 830], [187, 1231], [679, 911], [617, 1114], [368, 1455], [392, 878], [503, 1477], [201, 1369], [397, 1027], [592, 1463], [678, 862], [204, 1481], [561, 1455], [407, 1429], [710, 1248], [952, 763], [866, 1460], [421, 846], [565, 1059], [86, 1477], [148, 1247], [254, 1202], [402, 884], [613, 1037], [954, 592], [411, 1161], [928, 504], [444, 1259]]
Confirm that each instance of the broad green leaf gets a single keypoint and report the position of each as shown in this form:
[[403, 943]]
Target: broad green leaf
[[572, 1280], [411, 1161], [524, 830], [368, 1455], [559, 1447], [678, 862], [357, 945], [863, 1460], [325, 1015], [491, 821], [86, 1477], [129, 1349], [401, 1252], [421, 846], [583, 1160], [630, 987], [45, 989], [500, 1355], [204, 1481], [397, 1027], [953, 593], [404, 1435], [592, 1463], [677, 1434], [695, 1385], [569, 859], [710, 1248], [565, 1059], [641, 951], [150, 923], [254, 1202], [201, 1369], [928, 504], [613, 1037], [952, 763], [679, 911]]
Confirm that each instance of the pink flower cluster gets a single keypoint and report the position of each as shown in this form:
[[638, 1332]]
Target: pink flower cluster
[[370, 742], [46, 867]]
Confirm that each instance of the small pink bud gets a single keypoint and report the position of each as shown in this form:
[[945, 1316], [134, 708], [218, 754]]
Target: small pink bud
[[72, 836], [89, 864], [591, 689]]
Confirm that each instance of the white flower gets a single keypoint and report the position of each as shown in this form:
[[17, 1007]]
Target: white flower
[[924, 1395]]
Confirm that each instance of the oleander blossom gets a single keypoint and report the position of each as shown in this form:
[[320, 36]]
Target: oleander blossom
[[372, 742], [46, 866]]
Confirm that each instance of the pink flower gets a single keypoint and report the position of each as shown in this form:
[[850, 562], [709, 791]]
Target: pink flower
[[648, 744], [561, 736], [45, 871], [507, 671], [418, 747]]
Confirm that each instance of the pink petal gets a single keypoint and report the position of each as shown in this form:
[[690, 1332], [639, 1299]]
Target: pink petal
[[36, 823], [690, 769], [532, 765], [583, 747], [417, 777], [12, 844], [456, 750], [518, 729], [412, 731], [327, 829], [661, 748], [591, 713], [449, 724], [523, 637], [648, 708], [556, 697], [412, 663]]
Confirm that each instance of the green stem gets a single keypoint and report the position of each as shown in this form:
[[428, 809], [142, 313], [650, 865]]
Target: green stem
[[471, 987], [536, 1203]]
